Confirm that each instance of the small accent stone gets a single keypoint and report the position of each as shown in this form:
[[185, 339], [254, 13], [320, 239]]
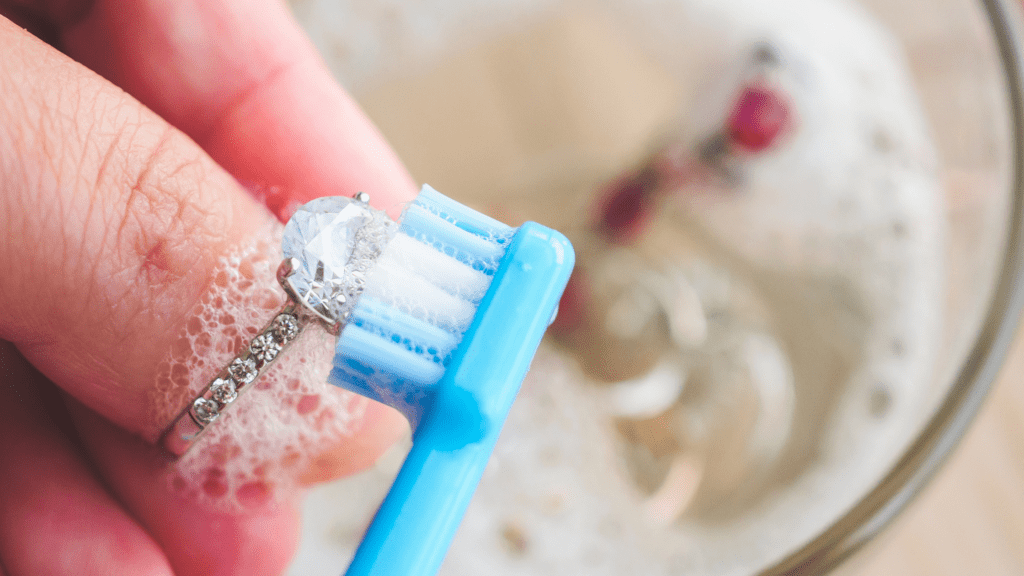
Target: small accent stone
[[224, 390], [286, 327], [206, 411], [243, 370], [265, 347]]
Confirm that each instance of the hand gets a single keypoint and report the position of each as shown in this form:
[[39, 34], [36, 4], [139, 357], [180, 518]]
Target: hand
[[114, 210]]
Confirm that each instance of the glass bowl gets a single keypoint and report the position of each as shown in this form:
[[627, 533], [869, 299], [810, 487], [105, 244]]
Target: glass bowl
[[565, 112]]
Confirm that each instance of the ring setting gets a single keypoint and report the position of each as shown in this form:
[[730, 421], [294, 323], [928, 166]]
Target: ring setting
[[330, 246]]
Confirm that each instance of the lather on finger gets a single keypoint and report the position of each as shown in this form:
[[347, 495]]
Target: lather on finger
[[112, 221], [113, 224], [116, 222], [241, 78]]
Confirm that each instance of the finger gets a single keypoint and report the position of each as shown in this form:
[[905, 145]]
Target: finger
[[197, 540], [242, 79], [113, 222], [116, 227], [380, 430], [55, 517]]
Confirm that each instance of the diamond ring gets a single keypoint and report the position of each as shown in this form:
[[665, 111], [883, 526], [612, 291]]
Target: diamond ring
[[330, 245]]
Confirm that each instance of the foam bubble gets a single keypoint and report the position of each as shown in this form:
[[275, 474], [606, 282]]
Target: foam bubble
[[259, 448]]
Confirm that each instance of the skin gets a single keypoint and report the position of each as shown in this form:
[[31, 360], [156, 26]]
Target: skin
[[125, 140]]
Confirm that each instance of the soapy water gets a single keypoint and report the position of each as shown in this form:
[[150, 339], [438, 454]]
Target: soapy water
[[746, 363], [760, 350], [839, 254]]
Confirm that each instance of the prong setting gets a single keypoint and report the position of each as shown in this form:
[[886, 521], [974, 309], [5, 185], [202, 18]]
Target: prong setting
[[286, 269], [330, 244]]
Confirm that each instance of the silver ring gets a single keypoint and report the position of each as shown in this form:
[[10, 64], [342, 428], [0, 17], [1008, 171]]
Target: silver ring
[[330, 245]]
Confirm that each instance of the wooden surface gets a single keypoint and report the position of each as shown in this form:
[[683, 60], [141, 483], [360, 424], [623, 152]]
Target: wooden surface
[[970, 519]]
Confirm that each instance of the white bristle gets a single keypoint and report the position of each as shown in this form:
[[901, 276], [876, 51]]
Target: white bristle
[[400, 288], [443, 271]]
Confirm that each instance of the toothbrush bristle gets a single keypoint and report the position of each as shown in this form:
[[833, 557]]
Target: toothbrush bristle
[[419, 299]]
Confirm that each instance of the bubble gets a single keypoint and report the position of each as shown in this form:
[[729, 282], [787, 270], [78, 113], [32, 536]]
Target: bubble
[[257, 449]]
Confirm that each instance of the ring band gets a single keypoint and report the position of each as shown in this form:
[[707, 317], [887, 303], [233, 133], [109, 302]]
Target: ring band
[[318, 293], [234, 379]]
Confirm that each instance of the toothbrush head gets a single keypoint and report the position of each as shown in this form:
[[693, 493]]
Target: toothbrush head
[[445, 330]]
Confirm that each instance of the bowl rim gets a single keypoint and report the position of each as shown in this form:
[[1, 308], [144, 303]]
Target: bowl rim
[[923, 458]]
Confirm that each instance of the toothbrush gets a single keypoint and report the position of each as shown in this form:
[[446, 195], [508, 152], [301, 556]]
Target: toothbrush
[[444, 332]]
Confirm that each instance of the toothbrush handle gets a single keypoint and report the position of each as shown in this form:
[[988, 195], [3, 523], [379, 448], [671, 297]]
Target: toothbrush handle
[[414, 526]]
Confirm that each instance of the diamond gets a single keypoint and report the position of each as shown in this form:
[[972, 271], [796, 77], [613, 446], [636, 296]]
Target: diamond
[[286, 327], [324, 236], [223, 390], [265, 347], [243, 370], [206, 411]]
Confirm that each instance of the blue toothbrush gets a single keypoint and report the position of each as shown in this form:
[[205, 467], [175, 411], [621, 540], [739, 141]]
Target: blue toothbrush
[[452, 371]]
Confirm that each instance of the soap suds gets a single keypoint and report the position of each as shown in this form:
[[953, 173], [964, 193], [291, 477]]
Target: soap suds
[[257, 449]]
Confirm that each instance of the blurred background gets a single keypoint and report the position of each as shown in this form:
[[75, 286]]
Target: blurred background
[[796, 232]]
